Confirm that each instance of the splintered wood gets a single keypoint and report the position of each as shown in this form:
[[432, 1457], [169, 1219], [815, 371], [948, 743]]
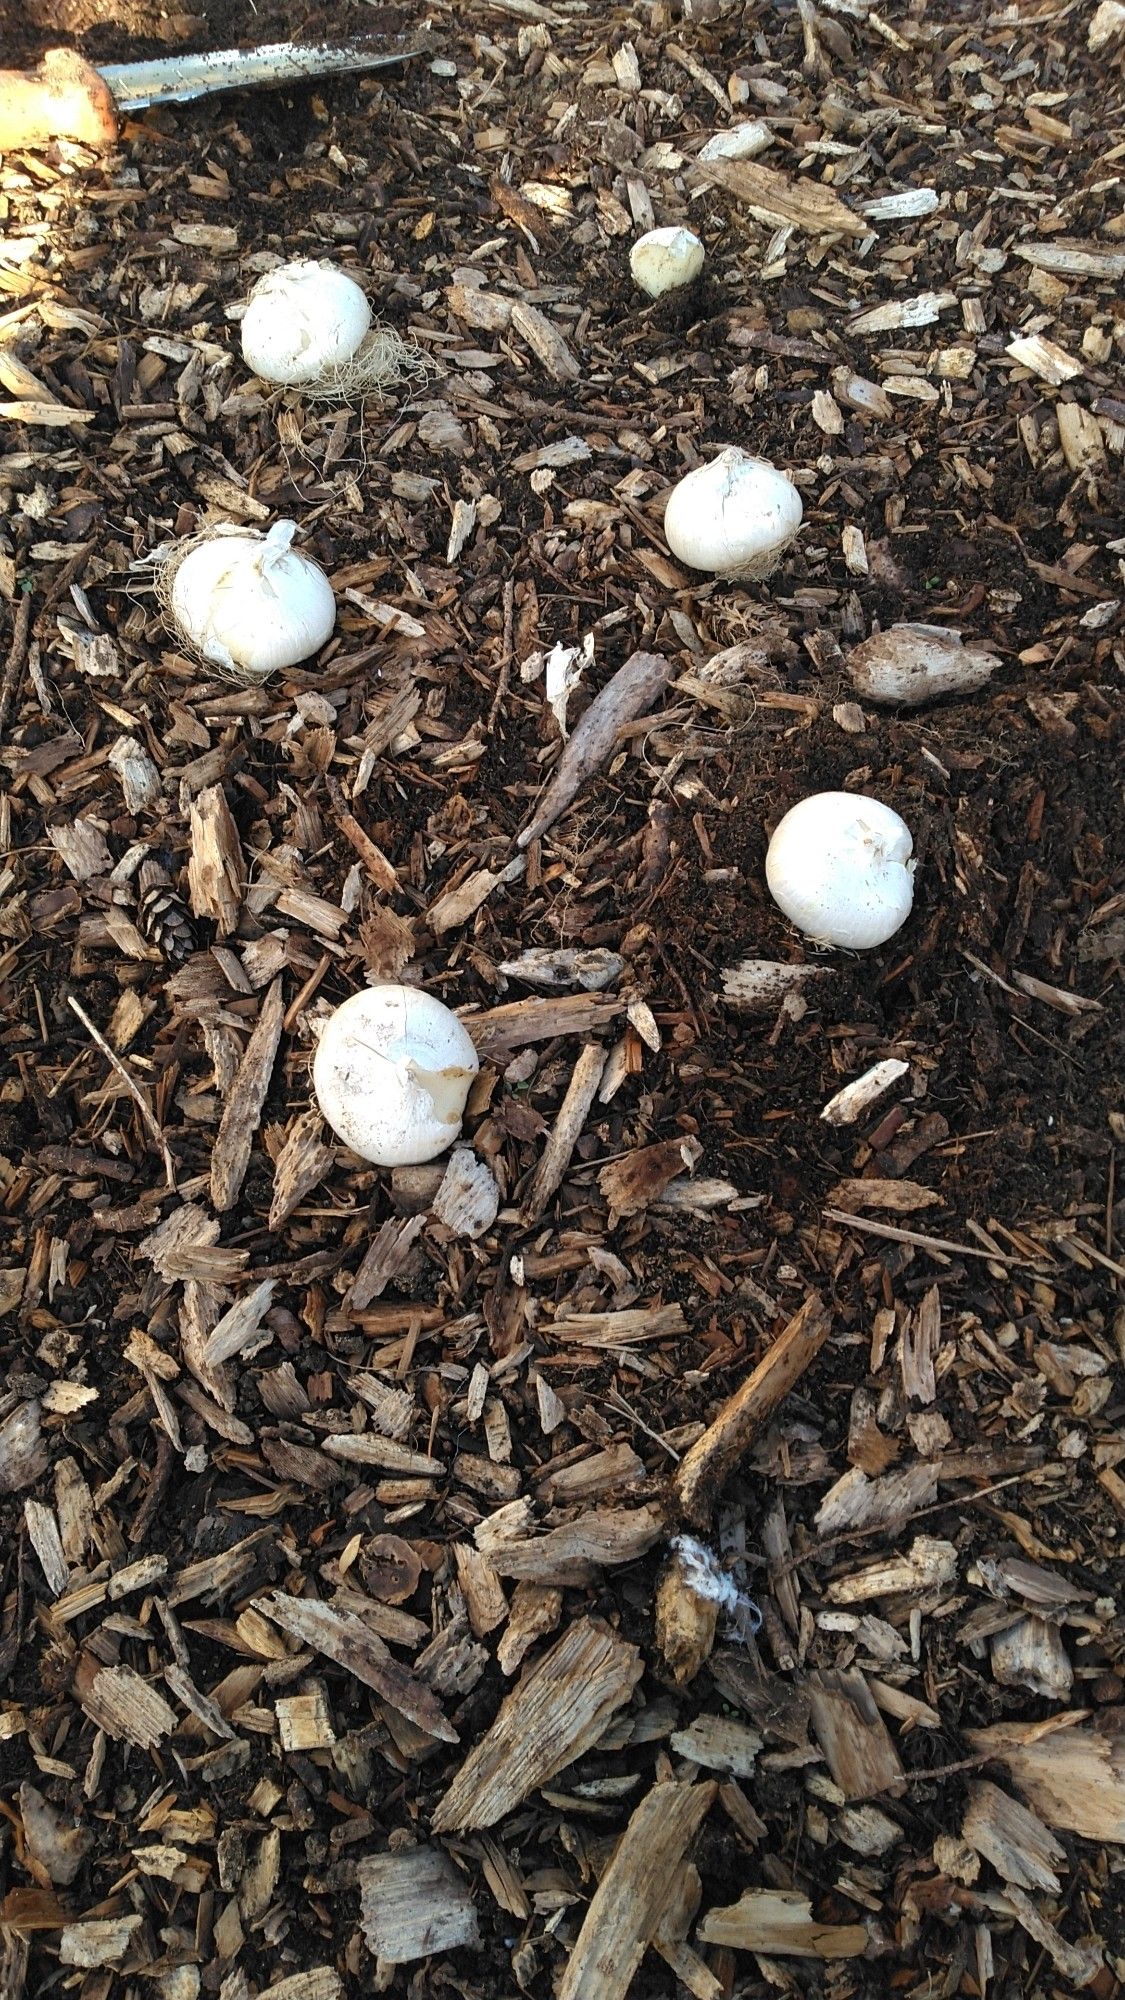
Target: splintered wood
[[415, 1904], [631, 1897], [559, 1709]]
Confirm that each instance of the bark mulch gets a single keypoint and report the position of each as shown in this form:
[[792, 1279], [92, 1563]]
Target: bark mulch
[[672, 1545]]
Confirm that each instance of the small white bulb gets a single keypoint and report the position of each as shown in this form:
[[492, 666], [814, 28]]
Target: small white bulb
[[392, 1072], [733, 515], [911, 664], [839, 867], [303, 321], [248, 602], [664, 259]]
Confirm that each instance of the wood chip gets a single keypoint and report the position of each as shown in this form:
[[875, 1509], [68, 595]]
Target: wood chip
[[415, 1904], [557, 1712], [243, 1108]]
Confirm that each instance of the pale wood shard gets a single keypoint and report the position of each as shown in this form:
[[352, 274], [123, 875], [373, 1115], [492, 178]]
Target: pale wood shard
[[304, 1721], [1080, 436], [415, 1904], [719, 1743], [303, 1162], [485, 1601], [856, 1502], [320, 1982], [1013, 1838], [1030, 1653], [566, 1131], [216, 869], [894, 314], [630, 693], [239, 1326], [1069, 1773], [899, 1197], [681, 1907], [97, 1941], [371, 1448], [344, 1638], [632, 1183], [1074, 260], [1044, 358], [136, 774], [571, 1554], [707, 1466], [385, 1257], [497, 1031], [857, 1098], [545, 342], [82, 848], [117, 1700], [774, 197], [852, 1734], [930, 1564], [243, 1109], [214, 1576], [23, 1455], [620, 1329], [921, 1345], [592, 970], [536, 1610], [43, 1534], [449, 911], [687, 1613], [780, 1923], [552, 1717], [468, 1199], [631, 1899]]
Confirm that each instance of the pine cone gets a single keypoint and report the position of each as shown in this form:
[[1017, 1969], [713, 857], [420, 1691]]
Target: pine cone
[[163, 916]]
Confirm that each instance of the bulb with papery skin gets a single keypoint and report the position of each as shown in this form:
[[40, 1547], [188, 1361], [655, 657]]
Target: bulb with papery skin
[[392, 1073], [249, 603], [303, 321], [733, 515], [664, 259], [839, 866]]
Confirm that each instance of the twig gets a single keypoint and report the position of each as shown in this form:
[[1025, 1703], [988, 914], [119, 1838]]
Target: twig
[[17, 655], [713, 1457], [136, 1093], [944, 1244], [505, 674]]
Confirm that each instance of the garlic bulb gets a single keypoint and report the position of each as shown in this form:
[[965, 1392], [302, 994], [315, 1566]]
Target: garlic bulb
[[303, 320], [910, 664], [247, 602], [733, 515], [392, 1072], [839, 867], [664, 259]]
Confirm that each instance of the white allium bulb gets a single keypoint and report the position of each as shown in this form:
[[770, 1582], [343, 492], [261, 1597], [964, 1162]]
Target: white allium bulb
[[391, 1073], [303, 321], [249, 603], [839, 867], [664, 259], [733, 515], [910, 664]]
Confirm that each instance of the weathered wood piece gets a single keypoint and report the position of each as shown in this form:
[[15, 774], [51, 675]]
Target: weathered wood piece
[[711, 1460], [630, 1899], [555, 1713], [414, 1905], [243, 1109]]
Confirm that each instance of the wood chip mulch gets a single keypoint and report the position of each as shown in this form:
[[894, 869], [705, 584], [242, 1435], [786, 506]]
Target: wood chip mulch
[[671, 1545]]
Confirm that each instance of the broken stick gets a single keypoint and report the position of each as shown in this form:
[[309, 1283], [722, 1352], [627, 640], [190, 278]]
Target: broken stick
[[713, 1457]]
